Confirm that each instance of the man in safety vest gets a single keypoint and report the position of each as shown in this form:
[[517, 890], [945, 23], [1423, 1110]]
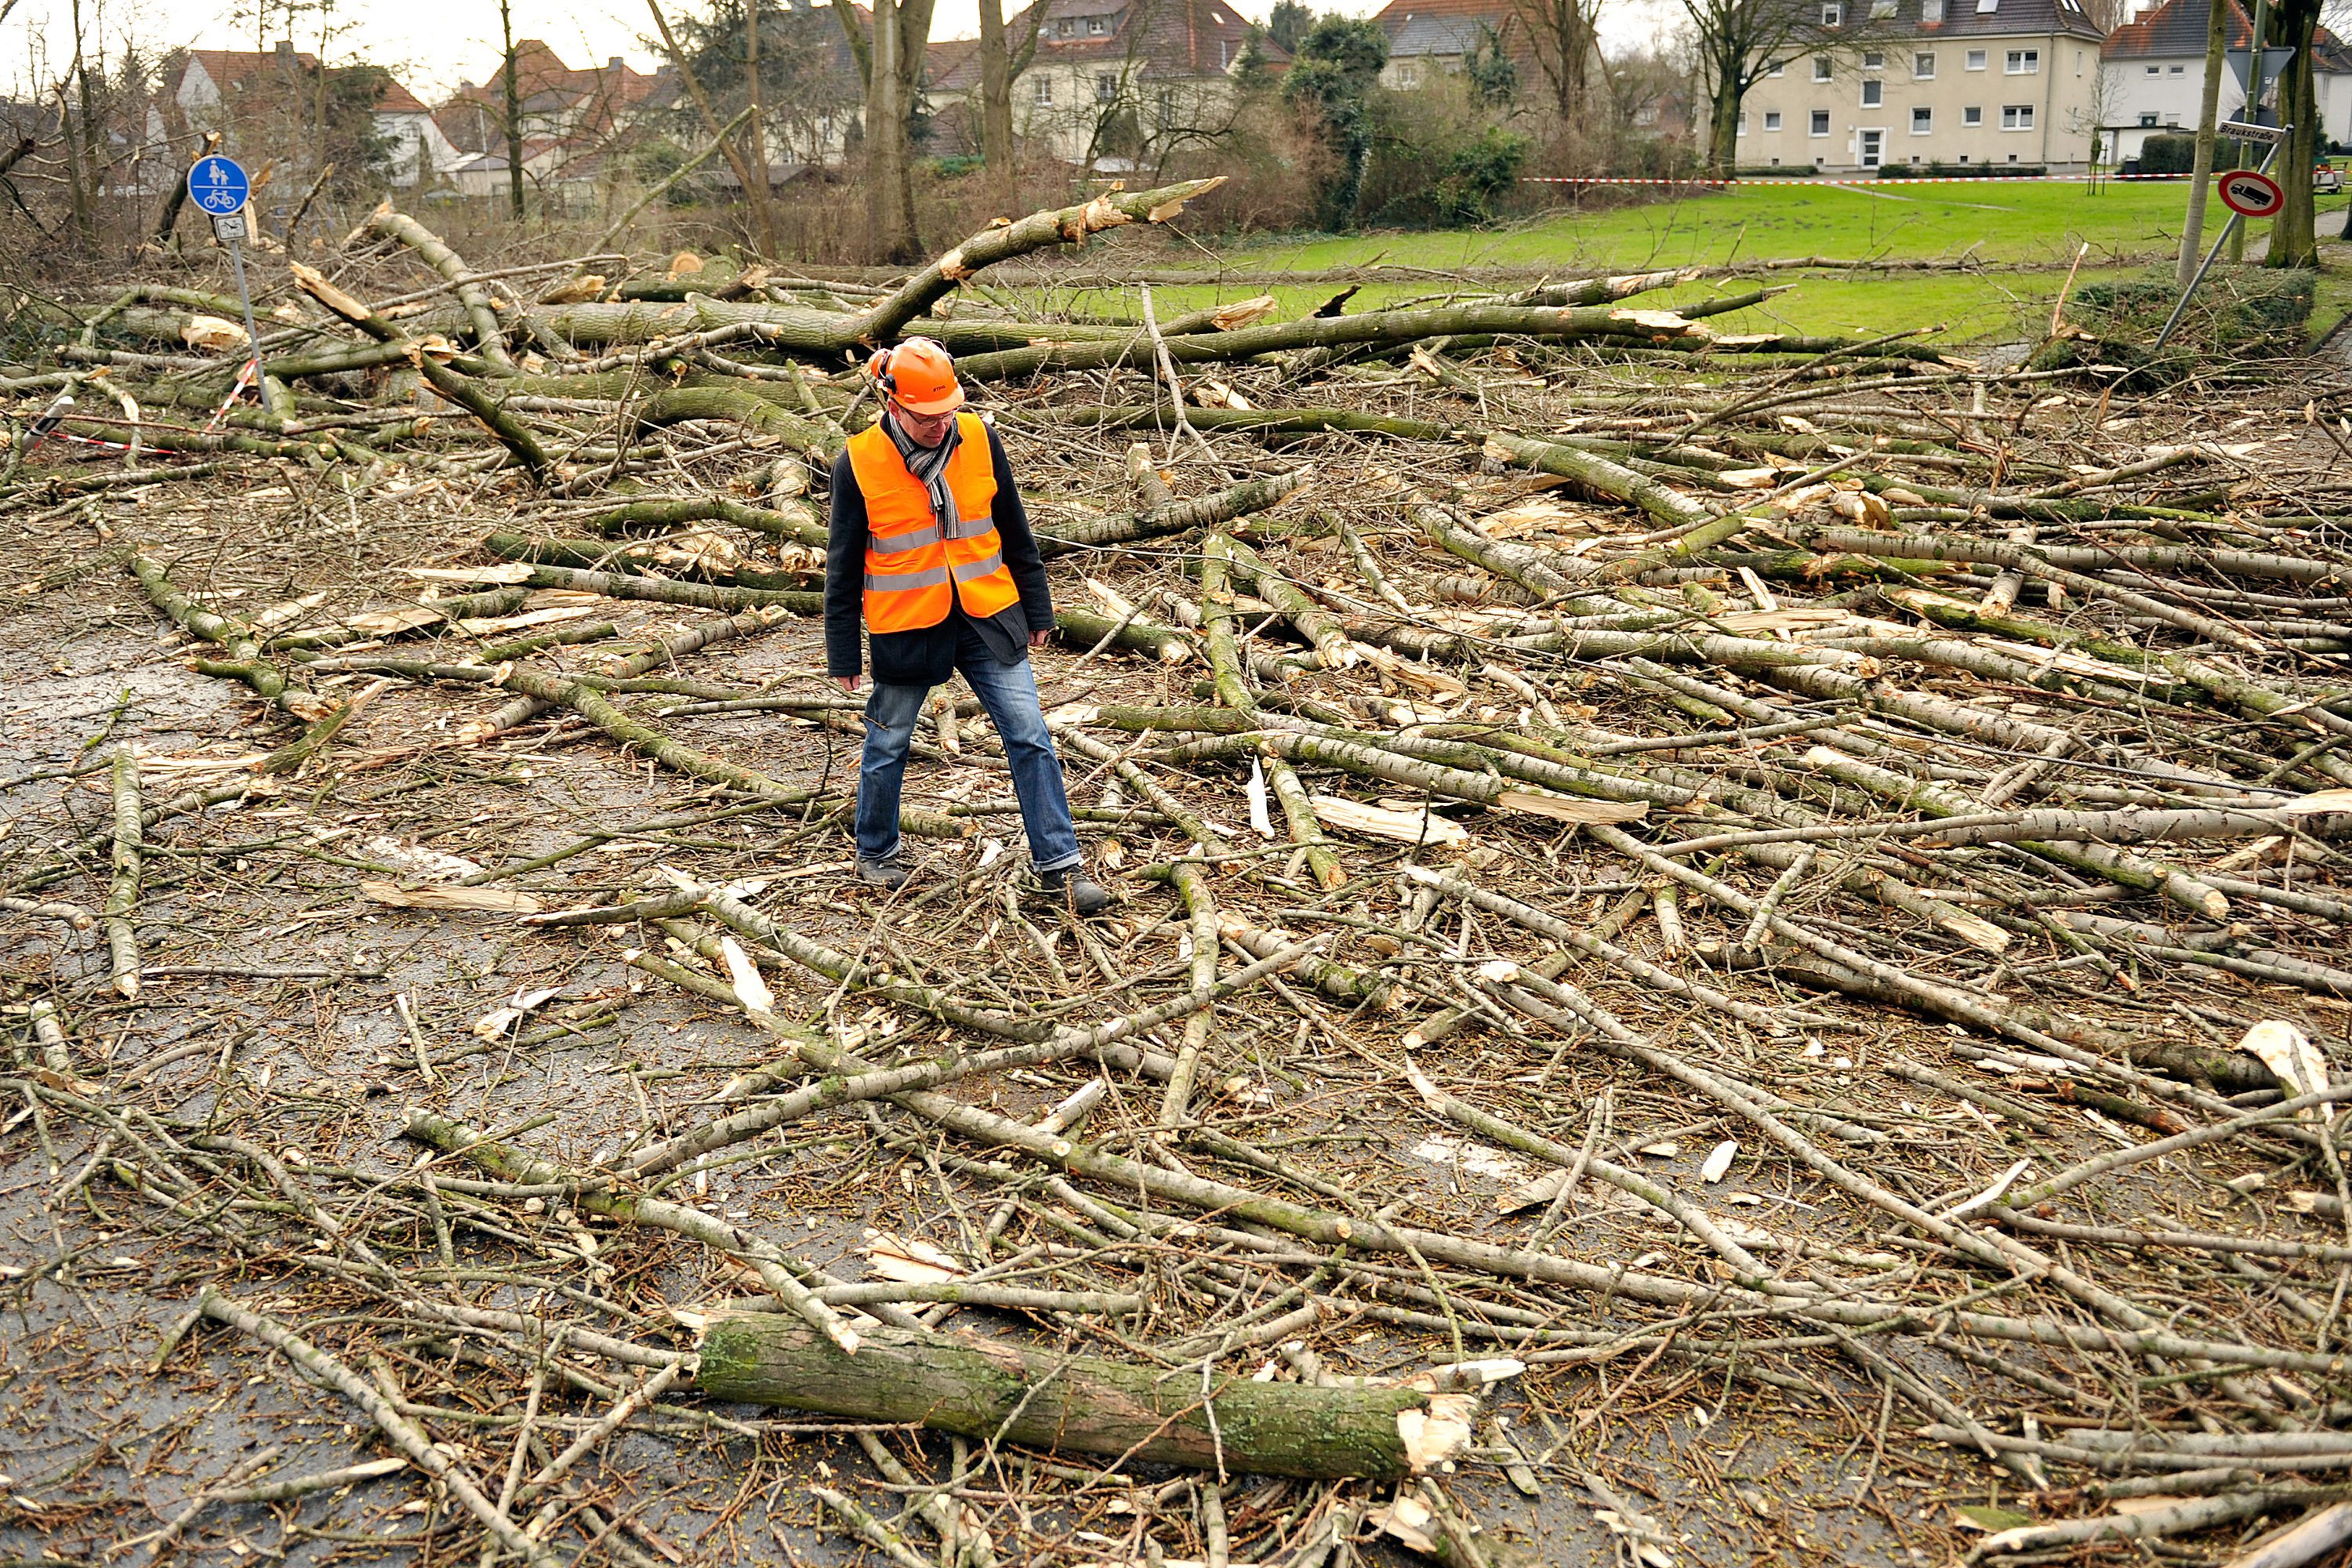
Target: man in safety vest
[[930, 544]]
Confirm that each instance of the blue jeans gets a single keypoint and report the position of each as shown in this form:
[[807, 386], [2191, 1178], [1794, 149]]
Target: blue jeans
[[1009, 694]]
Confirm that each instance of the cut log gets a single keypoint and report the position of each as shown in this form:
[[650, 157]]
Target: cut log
[[993, 1391]]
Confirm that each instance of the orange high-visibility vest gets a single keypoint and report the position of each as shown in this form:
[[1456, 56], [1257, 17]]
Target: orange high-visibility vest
[[910, 560]]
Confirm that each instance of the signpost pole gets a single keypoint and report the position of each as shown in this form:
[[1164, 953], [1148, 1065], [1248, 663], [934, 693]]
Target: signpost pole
[[252, 336], [2236, 232], [2235, 223]]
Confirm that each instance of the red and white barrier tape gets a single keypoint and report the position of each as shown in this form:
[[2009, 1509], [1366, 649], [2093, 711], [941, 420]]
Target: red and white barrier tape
[[1841, 180]]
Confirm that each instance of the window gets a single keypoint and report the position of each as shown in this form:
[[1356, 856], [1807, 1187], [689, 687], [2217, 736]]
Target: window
[[2078, 62], [1098, 24], [1972, 115], [1821, 67], [1923, 120], [2177, 69], [1105, 86], [1065, 28], [1923, 66], [1045, 91], [2022, 62], [2148, 117], [1743, 123], [1772, 120], [1931, 12], [1873, 93], [1976, 59], [2152, 71], [1778, 68], [1986, 7], [1873, 59], [1408, 76], [2017, 116], [1882, 10], [1832, 15], [1820, 123]]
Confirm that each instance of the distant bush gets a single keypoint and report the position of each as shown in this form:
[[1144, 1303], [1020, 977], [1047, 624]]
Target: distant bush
[[1777, 172], [1478, 175], [2167, 156]]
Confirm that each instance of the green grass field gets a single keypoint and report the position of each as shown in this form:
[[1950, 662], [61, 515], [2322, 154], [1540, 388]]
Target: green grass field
[[2126, 225]]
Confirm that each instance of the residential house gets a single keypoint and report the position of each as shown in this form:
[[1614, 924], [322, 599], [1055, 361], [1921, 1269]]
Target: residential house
[[571, 122], [267, 95], [1973, 83], [2156, 77], [1119, 84], [1429, 40], [420, 154]]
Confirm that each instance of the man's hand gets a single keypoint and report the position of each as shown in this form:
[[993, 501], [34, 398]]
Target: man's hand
[[1037, 638], [850, 683]]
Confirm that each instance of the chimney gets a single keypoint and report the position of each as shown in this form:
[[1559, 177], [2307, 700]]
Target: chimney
[[616, 65], [285, 51]]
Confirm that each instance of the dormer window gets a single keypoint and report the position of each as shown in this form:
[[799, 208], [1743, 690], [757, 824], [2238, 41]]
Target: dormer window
[[1098, 25], [1065, 28], [1931, 12], [1832, 15]]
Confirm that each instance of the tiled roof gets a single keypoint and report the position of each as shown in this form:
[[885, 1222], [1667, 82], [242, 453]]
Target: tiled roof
[[2176, 30], [233, 67], [1900, 19], [1444, 27]]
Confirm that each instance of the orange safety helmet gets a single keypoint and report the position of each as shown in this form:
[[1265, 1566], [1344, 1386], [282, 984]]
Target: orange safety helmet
[[918, 375]]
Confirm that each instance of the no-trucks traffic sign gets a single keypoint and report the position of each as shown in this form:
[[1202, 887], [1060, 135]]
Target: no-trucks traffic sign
[[2251, 195]]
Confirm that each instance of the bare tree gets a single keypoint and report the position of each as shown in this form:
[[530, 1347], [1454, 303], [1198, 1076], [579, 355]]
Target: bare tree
[[1561, 35], [1740, 41], [2208, 115], [755, 189], [510, 104], [891, 61], [999, 67]]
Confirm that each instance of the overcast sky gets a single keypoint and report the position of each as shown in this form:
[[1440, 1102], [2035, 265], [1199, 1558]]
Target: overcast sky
[[432, 44]]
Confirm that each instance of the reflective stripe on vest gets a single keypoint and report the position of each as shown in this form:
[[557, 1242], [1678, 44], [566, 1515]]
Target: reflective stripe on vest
[[915, 570]]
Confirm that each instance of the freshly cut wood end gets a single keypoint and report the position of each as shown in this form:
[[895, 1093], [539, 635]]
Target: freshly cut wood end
[[1241, 313], [473, 900], [1978, 933], [1378, 822], [1437, 1434], [1572, 808]]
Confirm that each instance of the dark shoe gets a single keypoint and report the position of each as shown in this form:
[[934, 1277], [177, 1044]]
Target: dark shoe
[[889, 874], [1076, 891]]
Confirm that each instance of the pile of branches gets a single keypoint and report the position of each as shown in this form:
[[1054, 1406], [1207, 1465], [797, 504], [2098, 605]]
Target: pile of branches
[[1753, 877]]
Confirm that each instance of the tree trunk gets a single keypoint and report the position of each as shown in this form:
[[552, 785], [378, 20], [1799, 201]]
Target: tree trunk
[[996, 110], [2208, 115], [764, 222], [901, 32], [511, 112], [992, 1391], [1723, 131], [2294, 235]]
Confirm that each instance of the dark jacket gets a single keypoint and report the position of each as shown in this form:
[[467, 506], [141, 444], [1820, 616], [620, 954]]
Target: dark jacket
[[926, 658]]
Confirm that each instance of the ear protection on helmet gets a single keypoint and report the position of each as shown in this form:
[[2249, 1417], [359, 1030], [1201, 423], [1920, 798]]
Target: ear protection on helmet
[[878, 368]]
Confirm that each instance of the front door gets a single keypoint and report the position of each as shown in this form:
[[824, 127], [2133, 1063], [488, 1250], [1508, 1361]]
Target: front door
[[1873, 144]]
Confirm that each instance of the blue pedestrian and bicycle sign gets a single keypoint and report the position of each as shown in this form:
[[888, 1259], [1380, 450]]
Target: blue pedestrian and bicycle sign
[[219, 184]]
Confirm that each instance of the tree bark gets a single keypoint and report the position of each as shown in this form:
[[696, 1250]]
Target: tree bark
[[759, 193], [2295, 234], [510, 111], [996, 110], [2208, 115], [993, 1391]]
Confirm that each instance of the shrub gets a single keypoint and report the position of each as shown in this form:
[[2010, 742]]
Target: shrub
[[1477, 175], [2240, 313], [2167, 156]]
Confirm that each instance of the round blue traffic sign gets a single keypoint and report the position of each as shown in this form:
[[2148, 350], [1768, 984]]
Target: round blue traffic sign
[[219, 184]]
